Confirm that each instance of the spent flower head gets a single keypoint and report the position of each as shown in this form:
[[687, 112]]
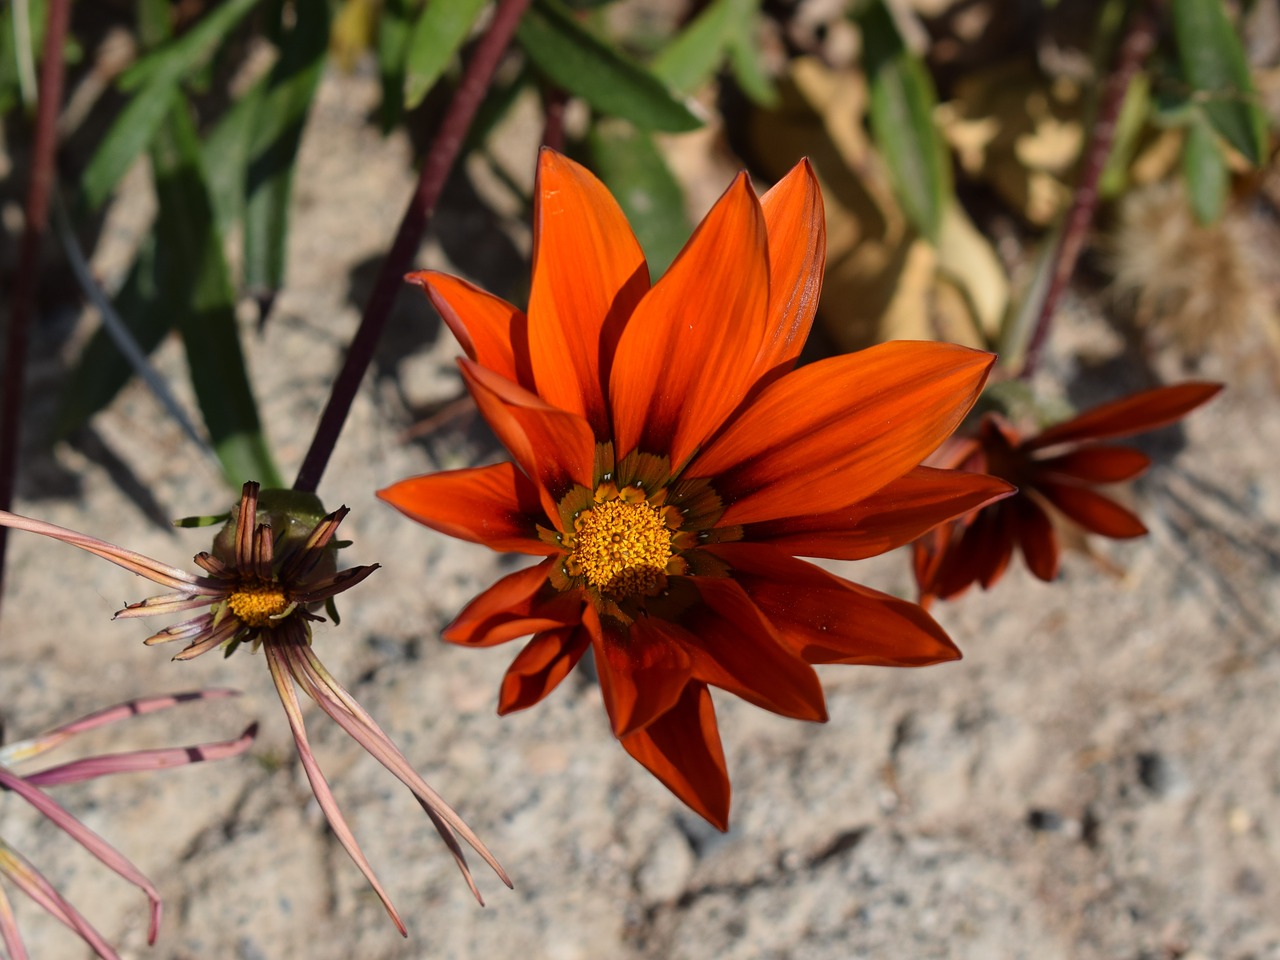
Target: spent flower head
[[1055, 471], [669, 465], [270, 565], [18, 870]]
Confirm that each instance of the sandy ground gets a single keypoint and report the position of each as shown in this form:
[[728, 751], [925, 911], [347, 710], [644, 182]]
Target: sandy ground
[[1098, 778]]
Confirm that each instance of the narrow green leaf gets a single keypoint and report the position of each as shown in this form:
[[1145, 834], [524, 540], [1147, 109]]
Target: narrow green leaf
[[636, 174], [690, 59], [225, 156], [207, 321], [189, 52], [273, 146], [1205, 170], [393, 48], [1134, 114], [1213, 62], [132, 131], [436, 38], [156, 78], [901, 111], [744, 55], [575, 59]]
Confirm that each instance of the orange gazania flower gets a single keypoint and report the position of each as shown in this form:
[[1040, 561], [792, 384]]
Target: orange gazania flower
[[669, 463], [1054, 470]]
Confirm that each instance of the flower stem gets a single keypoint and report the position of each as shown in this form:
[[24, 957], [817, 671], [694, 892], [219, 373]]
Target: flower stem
[[435, 171], [26, 281], [1136, 46]]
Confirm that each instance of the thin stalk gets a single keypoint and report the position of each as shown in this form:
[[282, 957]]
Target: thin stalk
[[1139, 40], [26, 281], [435, 171]]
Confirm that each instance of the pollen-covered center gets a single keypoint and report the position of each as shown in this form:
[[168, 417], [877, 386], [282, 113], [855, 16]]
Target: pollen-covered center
[[256, 603], [622, 548]]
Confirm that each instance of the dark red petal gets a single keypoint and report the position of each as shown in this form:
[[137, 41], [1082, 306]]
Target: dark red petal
[[797, 230], [1037, 538], [898, 513], [826, 619], [1093, 511], [491, 331], [1123, 418], [836, 431], [1097, 464], [588, 275], [519, 604], [685, 359], [497, 506], [981, 554], [555, 447], [642, 674], [540, 666], [732, 646], [682, 749]]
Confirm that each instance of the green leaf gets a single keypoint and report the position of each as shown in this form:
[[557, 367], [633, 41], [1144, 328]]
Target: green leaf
[[901, 111], [1213, 63], [189, 52], [637, 176], [156, 77], [744, 58], [206, 319], [689, 60], [225, 156], [132, 131], [437, 36], [1205, 170], [1134, 112], [575, 59], [273, 145], [393, 48]]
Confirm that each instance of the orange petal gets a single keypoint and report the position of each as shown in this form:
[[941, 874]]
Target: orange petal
[[1123, 418], [491, 331], [1097, 464], [642, 674], [556, 447], [836, 431], [732, 646], [588, 275], [540, 666], [497, 506], [826, 619], [686, 358], [898, 513], [519, 604], [797, 229], [682, 749], [1093, 511], [1037, 538]]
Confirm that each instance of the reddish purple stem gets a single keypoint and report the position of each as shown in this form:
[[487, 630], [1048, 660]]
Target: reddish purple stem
[[435, 171], [26, 281], [1134, 50]]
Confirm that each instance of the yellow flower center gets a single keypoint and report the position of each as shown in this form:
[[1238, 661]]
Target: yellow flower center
[[257, 603], [622, 548]]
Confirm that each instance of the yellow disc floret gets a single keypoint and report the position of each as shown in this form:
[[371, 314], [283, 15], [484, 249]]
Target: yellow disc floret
[[257, 602], [621, 547]]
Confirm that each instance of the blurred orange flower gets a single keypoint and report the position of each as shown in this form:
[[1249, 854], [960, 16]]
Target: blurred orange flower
[[669, 464], [1052, 469]]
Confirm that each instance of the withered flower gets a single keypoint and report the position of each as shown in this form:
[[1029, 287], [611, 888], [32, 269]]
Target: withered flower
[[267, 569], [20, 871]]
